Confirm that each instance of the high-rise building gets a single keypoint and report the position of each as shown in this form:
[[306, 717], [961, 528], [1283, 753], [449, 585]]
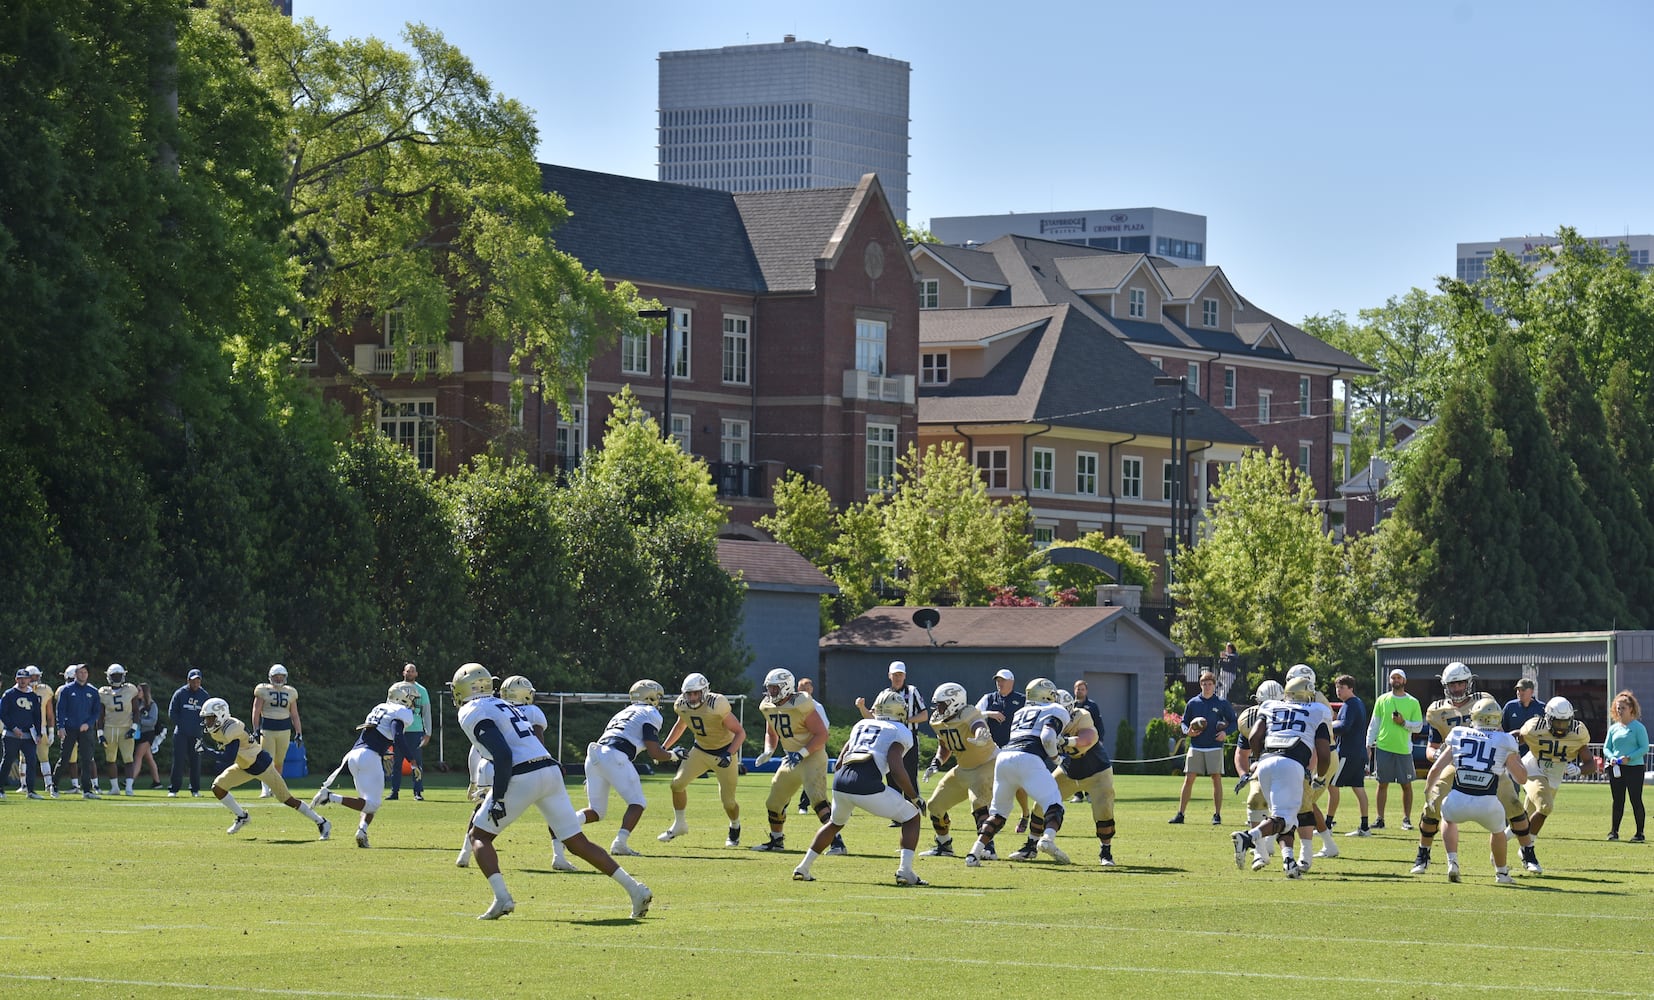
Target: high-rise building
[[1472, 258], [784, 116], [1178, 237]]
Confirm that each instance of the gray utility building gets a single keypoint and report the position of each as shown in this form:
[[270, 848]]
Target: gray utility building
[[784, 116], [1121, 659], [781, 614]]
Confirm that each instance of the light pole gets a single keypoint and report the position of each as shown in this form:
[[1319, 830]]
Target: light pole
[[666, 368], [1179, 457]]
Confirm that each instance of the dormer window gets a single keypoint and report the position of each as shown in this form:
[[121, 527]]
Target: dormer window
[[1209, 312], [1137, 303]]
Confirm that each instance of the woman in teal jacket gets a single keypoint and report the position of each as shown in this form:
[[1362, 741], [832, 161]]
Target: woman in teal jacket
[[1623, 752]]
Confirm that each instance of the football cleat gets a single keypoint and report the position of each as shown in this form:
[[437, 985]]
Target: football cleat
[[800, 875], [240, 821], [775, 843], [36, 796], [1330, 851], [561, 864], [987, 853], [497, 909], [1293, 870], [1358, 833], [943, 849], [1378, 824], [1025, 853], [1105, 856], [622, 849], [130, 793], [1259, 861], [1503, 878], [1175, 819], [734, 838], [1022, 825], [971, 860], [1406, 824], [1421, 863], [1532, 865], [1452, 871], [1049, 846], [362, 839], [1303, 865], [1217, 819], [267, 793], [1243, 843], [671, 832], [837, 846], [909, 878], [325, 829], [323, 796], [464, 860], [641, 898]]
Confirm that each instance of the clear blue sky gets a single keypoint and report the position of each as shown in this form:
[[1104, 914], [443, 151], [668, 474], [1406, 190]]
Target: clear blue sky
[[1338, 150]]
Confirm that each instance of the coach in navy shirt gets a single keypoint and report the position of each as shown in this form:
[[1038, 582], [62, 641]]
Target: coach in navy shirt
[[1522, 707], [1350, 730], [23, 721], [78, 710], [998, 705], [185, 715]]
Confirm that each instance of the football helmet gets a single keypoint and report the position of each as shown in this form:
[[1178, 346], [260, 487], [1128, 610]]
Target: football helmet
[[1486, 713], [471, 680], [947, 702], [695, 689], [278, 674], [214, 713], [1269, 691], [69, 672], [33, 670], [890, 705], [1559, 714], [116, 674], [518, 690], [403, 693], [646, 692], [1300, 689], [1041, 691], [1457, 682], [1303, 670], [1064, 699], [778, 684]]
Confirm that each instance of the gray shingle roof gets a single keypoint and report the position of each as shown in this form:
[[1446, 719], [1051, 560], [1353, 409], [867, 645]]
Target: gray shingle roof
[[791, 230], [772, 566], [975, 265], [1097, 272]]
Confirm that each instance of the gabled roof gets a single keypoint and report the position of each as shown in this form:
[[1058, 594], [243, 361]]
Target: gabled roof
[[971, 266], [793, 231], [1188, 283], [1099, 274], [772, 566], [972, 630], [1304, 347], [1066, 371], [654, 232]]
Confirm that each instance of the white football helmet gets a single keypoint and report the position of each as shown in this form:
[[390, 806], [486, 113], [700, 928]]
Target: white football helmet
[[69, 671], [1041, 691], [890, 705], [1486, 714], [116, 674], [1269, 691], [778, 684], [1300, 689], [695, 689], [948, 701], [33, 670], [1457, 683], [1301, 670], [278, 674], [471, 680], [403, 693], [646, 692], [1065, 699], [214, 713], [518, 690], [1559, 714]]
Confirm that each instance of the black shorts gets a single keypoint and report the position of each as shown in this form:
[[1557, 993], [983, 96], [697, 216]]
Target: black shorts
[[1351, 772]]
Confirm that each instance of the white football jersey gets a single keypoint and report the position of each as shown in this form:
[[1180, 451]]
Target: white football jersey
[[379, 728], [1031, 721], [874, 738], [535, 714], [511, 721], [1479, 755], [1292, 722], [634, 724]]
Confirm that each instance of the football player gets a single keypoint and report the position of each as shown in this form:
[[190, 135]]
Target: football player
[[1445, 714], [1552, 741], [1257, 807], [227, 737], [793, 728], [1024, 763], [116, 726], [275, 719], [1315, 785], [518, 691], [375, 738], [1293, 737], [872, 755], [525, 775], [1084, 766], [633, 730], [716, 747], [1479, 756], [48, 707], [964, 737]]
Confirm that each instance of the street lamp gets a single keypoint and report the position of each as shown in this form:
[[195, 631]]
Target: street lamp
[[1180, 444], [666, 367]]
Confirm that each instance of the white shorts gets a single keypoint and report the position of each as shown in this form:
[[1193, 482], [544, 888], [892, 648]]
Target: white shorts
[[1017, 769], [887, 802], [368, 774], [1281, 780], [1483, 810], [541, 789], [482, 771], [608, 768]]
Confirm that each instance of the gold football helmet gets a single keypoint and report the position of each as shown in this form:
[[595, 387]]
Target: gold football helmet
[[646, 692], [403, 693], [1300, 689], [518, 690], [1041, 691], [890, 705], [471, 680], [1486, 713]]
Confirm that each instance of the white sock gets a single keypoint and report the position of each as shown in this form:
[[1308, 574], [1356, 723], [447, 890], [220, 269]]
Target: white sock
[[229, 803], [557, 850], [1452, 857], [308, 813], [680, 818], [622, 835], [619, 875], [496, 882], [1266, 846], [465, 845], [809, 859], [129, 784], [907, 859], [1326, 837]]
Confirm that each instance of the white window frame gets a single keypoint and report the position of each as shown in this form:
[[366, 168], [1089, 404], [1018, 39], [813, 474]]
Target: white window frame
[[1194, 378], [1137, 303], [737, 350], [934, 368], [930, 293], [734, 441], [396, 327], [1042, 473], [411, 425], [1134, 536], [1305, 450], [1167, 478], [881, 455], [1303, 396], [994, 466], [1085, 473], [1044, 535], [634, 353], [871, 336], [1263, 405], [567, 438], [1209, 312], [1228, 387], [1131, 477], [682, 430], [681, 323], [1159, 363]]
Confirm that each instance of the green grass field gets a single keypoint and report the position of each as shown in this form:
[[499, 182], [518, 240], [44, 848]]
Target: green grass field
[[149, 897]]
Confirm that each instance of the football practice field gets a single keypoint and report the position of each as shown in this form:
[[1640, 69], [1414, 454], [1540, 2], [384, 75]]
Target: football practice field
[[148, 897]]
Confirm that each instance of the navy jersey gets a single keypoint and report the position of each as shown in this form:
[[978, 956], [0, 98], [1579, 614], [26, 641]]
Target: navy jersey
[[1031, 722], [384, 724]]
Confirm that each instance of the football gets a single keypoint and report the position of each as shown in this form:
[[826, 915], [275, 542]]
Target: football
[[1197, 726]]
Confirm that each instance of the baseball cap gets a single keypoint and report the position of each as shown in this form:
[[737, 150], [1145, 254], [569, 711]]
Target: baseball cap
[[1525, 684], [1005, 675], [1398, 672], [194, 675], [898, 667], [23, 672]]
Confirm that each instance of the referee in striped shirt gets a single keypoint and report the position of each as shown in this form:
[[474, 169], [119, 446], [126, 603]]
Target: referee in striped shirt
[[917, 712]]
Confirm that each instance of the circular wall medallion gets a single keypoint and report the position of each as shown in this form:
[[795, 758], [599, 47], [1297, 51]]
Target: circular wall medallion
[[873, 260]]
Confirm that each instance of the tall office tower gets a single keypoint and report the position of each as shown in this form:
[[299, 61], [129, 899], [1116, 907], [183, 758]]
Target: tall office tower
[[784, 116]]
